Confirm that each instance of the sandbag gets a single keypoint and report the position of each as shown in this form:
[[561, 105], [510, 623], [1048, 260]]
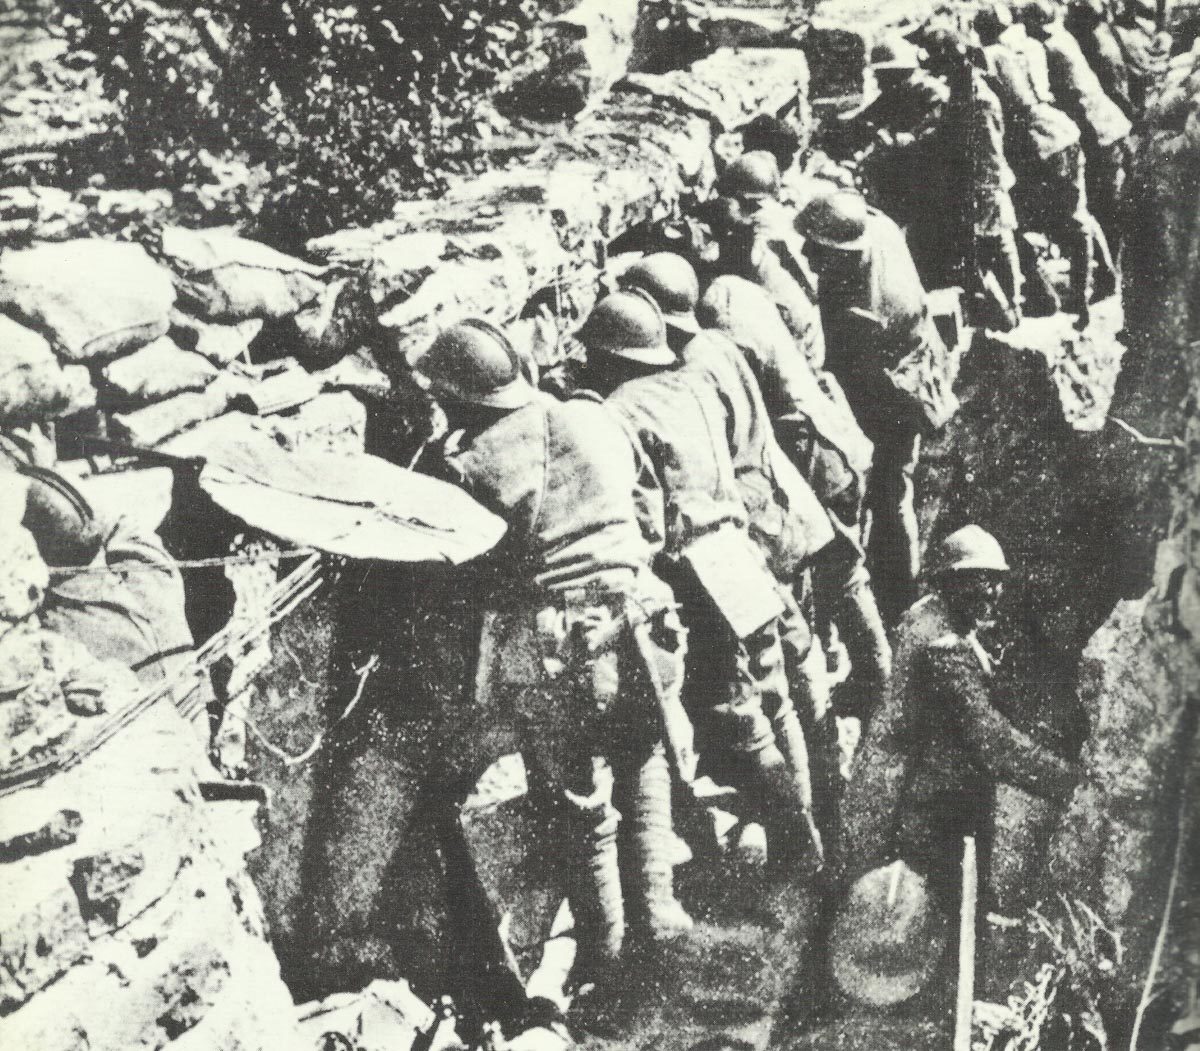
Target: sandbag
[[33, 385], [228, 278], [159, 370], [156, 423], [220, 344], [89, 298]]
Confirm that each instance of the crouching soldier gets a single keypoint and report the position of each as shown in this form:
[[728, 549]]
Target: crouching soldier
[[692, 512], [580, 643], [935, 754]]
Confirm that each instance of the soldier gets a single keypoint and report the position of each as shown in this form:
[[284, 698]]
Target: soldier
[[973, 127], [1104, 128], [751, 238], [785, 518], [1090, 22], [1043, 144], [692, 513], [934, 755], [908, 105], [877, 323], [579, 637]]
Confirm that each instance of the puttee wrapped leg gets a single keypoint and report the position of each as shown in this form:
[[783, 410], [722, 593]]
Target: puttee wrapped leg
[[780, 794], [594, 889], [656, 910]]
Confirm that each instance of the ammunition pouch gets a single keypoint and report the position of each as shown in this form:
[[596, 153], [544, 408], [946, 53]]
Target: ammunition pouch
[[731, 572]]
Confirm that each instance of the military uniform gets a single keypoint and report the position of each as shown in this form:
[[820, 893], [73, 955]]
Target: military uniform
[[1104, 127], [993, 180], [736, 683], [874, 313], [931, 759], [1044, 144], [574, 569]]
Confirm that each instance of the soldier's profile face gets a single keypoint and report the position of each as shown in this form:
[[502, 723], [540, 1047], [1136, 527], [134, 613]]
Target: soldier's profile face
[[975, 596]]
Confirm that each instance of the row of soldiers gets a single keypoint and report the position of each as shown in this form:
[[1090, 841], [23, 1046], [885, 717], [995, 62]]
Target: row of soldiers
[[714, 496], [685, 543], [1001, 134]]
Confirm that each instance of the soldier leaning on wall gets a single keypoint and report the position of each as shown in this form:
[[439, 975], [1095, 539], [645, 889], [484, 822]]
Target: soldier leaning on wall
[[876, 317], [578, 633], [736, 685]]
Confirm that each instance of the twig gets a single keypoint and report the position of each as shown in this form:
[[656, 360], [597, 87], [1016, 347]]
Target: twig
[[1145, 439], [966, 949], [1160, 942]]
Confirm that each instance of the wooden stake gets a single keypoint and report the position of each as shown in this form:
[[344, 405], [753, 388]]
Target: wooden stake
[[966, 948]]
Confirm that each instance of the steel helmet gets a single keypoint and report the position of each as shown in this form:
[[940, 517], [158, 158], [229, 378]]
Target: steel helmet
[[628, 325], [895, 52], [473, 363], [1039, 13], [889, 938], [970, 548], [671, 281], [992, 20], [752, 176], [58, 515], [837, 220]]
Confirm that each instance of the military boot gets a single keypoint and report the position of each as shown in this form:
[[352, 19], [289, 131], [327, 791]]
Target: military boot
[[797, 796], [778, 792], [594, 889], [656, 909]]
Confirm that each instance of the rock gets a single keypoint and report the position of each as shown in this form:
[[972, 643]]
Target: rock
[[44, 934], [229, 279], [145, 931], [59, 831], [41, 213], [117, 211], [220, 344], [1115, 846], [156, 423], [732, 86]]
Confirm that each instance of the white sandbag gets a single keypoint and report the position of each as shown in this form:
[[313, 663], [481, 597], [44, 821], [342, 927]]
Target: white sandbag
[[149, 426], [228, 278], [90, 298], [33, 385], [159, 370]]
